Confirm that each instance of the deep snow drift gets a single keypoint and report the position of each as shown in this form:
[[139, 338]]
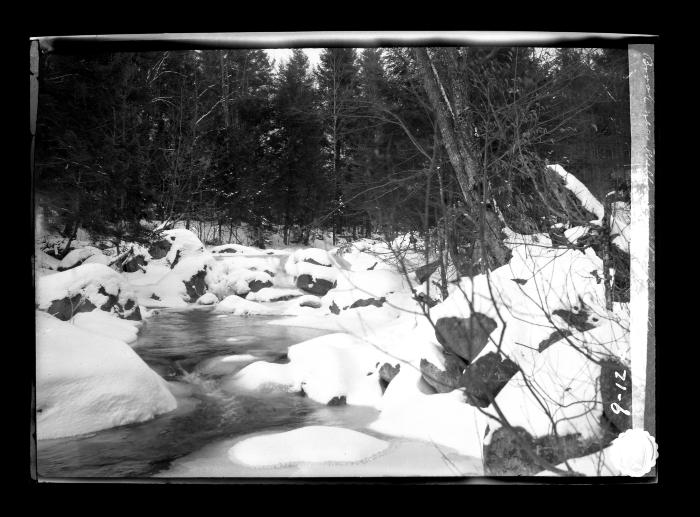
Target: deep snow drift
[[86, 382]]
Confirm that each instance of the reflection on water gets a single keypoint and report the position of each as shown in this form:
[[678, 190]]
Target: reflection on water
[[173, 343]]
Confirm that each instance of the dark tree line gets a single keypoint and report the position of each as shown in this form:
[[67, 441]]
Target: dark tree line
[[370, 140]]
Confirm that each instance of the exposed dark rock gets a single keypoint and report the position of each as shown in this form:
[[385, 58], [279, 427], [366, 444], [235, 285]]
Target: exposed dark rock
[[283, 298], [613, 373], [318, 286], [578, 320], [178, 256], [160, 249], [256, 285], [136, 314], [487, 376], [196, 286], [505, 455], [464, 337], [334, 308], [520, 281], [112, 301], [271, 273], [559, 238], [337, 401], [368, 301], [226, 250], [555, 336], [442, 381], [312, 261], [424, 272], [154, 296], [65, 308], [133, 264], [387, 373], [421, 297]]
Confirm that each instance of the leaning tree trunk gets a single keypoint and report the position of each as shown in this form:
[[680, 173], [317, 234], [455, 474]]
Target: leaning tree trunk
[[454, 120]]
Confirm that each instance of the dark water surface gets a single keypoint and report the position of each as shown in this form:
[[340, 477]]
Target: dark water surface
[[174, 343]]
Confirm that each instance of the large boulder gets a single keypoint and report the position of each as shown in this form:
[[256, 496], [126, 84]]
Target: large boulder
[[85, 288], [160, 249], [175, 245], [486, 377], [464, 337], [313, 285]]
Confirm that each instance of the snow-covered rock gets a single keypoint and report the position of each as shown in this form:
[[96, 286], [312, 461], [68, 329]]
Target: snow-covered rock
[[186, 282], [86, 382], [76, 257], [84, 288], [207, 299], [331, 367], [238, 306], [225, 278], [307, 444], [176, 245], [363, 288]]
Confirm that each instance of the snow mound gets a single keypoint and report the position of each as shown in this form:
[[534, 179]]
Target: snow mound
[[238, 306], [316, 255], [442, 419], [107, 325], [207, 299], [325, 368], [263, 376], [86, 382], [316, 444], [364, 285], [77, 256], [171, 290], [183, 244], [225, 278]]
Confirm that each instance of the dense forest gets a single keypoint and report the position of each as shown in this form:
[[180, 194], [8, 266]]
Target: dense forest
[[356, 145]]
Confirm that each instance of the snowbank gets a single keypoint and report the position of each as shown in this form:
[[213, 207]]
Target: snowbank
[[324, 368], [107, 325], [442, 419], [86, 382], [307, 444]]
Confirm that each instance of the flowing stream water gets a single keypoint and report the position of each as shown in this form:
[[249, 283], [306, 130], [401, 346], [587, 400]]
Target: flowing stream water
[[186, 347]]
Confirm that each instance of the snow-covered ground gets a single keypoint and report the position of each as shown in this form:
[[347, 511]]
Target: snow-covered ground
[[88, 378]]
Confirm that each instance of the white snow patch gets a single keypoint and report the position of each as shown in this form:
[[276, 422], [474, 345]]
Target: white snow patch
[[318, 444]]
